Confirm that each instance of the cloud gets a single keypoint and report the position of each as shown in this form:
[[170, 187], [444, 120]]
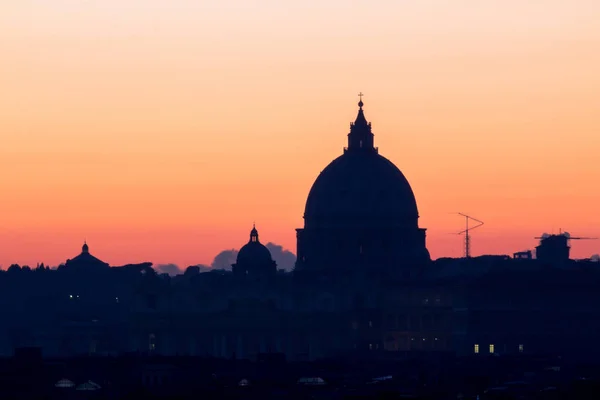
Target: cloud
[[171, 269], [224, 259], [285, 259]]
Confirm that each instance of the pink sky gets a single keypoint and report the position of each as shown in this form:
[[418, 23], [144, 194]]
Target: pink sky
[[160, 130]]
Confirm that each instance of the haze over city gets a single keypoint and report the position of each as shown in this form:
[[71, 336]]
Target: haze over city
[[161, 130]]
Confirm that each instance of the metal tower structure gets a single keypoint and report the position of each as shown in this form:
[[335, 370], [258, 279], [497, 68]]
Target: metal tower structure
[[466, 232], [565, 235]]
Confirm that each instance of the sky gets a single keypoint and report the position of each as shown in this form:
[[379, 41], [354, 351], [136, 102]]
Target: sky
[[160, 130]]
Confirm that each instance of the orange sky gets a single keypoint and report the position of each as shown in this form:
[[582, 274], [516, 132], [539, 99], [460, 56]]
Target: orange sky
[[160, 129]]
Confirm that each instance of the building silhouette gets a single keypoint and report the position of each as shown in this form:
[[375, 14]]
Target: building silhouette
[[361, 213], [364, 284]]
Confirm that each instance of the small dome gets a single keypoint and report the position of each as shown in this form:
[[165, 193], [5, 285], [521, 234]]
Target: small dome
[[85, 260], [254, 252]]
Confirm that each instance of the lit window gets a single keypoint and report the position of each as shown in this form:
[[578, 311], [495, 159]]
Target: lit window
[[370, 346], [152, 342], [117, 299], [476, 349], [70, 296], [520, 348], [491, 349], [426, 301]]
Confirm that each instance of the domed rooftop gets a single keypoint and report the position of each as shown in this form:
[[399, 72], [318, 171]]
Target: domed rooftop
[[85, 259], [254, 252], [361, 187]]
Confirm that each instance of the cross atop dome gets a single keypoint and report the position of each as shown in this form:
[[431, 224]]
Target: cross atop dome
[[360, 102]]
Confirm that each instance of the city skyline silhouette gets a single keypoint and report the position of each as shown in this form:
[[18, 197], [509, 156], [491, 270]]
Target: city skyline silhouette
[[299, 199]]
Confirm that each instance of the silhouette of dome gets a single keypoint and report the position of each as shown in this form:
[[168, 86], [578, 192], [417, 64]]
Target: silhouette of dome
[[361, 186], [361, 211], [254, 252], [85, 260]]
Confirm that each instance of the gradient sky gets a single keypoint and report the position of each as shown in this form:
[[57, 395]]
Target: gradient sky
[[161, 129]]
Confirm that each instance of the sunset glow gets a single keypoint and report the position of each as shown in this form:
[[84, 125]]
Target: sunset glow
[[160, 130]]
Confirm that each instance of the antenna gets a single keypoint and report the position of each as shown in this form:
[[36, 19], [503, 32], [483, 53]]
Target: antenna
[[466, 232]]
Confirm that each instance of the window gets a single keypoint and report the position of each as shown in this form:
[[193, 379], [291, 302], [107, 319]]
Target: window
[[370, 324], [360, 143], [520, 348], [491, 349], [152, 342], [370, 346], [354, 325], [476, 348]]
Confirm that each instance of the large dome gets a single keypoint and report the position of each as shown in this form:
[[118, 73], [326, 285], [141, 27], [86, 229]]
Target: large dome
[[361, 212], [361, 188]]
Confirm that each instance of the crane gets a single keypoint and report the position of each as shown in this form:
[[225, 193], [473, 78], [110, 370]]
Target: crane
[[466, 232], [566, 235]]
